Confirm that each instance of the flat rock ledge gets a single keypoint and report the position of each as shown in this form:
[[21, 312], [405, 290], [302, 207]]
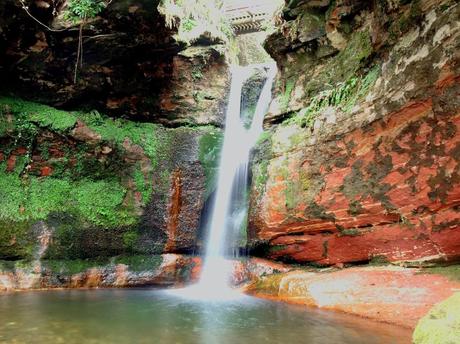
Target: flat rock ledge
[[390, 294]]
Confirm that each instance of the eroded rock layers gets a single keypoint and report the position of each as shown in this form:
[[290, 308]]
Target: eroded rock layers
[[364, 164]]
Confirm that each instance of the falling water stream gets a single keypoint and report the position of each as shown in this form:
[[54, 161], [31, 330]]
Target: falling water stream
[[233, 175], [226, 219]]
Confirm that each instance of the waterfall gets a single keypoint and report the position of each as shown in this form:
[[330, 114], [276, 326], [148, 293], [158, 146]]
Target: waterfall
[[229, 211], [230, 207]]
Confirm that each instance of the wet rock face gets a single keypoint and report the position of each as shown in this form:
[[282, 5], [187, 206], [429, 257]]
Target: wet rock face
[[197, 91], [374, 174], [121, 272], [131, 66], [103, 187]]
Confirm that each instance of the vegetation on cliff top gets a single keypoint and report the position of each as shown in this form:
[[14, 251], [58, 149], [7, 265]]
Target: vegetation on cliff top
[[196, 18], [343, 97]]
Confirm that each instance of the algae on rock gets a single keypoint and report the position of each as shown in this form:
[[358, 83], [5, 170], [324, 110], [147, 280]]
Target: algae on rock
[[441, 325]]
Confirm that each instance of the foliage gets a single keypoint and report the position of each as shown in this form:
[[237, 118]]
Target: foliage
[[343, 97], [83, 9], [80, 11], [194, 18]]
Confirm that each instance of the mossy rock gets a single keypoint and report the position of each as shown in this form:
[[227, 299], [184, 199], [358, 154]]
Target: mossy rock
[[139, 263], [210, 145], [16, 241], [441, 325], [267, 285]]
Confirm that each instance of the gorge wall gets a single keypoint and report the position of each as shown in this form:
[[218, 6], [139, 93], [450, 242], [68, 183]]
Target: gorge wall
[[115, 167], [361, 161]]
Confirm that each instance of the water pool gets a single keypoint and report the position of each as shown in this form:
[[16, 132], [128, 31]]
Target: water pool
[[154, 316]]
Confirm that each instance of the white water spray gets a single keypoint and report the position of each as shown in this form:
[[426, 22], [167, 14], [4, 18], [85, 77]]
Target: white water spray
[[232, 184]]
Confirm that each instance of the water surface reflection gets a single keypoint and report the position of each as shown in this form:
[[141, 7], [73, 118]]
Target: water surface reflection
[[152, 316]]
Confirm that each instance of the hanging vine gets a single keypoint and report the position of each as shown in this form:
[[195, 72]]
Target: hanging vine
[[80, 11]]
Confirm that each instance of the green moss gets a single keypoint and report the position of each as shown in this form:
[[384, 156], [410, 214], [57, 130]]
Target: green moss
[[130, 239], [441, 325], [16, 240], [82, 182], [452, 272], [210, 146], [100, 203], [356, 184], [286, 98], [344, 97], [119, 130], [350, 232], [41, 115], [318, 211], [143, 184], [140, 262], [265, 137], [32, 199], [277, 248], [74, 266], [355, 208], [7, 265], [261, 175], [379, 260]]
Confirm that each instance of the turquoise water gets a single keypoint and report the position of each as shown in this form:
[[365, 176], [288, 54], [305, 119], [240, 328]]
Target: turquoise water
[[153, 316]]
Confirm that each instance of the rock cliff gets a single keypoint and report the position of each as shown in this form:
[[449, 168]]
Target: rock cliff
[[121, 161], [360, 161]]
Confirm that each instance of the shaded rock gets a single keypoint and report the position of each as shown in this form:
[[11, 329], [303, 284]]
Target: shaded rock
[[106, 187], [130, 63], [197, 90]]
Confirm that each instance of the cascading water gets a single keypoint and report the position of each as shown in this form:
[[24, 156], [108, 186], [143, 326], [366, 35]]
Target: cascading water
[[230, 207]]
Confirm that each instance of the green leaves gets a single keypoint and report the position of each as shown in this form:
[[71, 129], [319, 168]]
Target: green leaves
[[83, 9]]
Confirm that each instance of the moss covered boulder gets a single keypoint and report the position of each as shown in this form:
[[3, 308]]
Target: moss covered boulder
[[441, 325], [103, 187]]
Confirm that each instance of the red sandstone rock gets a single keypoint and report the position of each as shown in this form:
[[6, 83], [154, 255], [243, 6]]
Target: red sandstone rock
[[397, 203], [83, 133], [11, 163], [387, 294], [381, 180], [46, 171], [254, 268]]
